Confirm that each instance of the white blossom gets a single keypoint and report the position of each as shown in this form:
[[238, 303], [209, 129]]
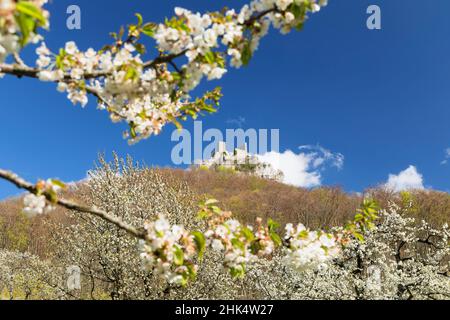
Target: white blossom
[[34, 205], [71, 48]]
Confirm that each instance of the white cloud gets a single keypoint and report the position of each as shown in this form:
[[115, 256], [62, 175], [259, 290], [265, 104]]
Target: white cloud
[[322, 155], [408, 179], [447, 156], [303, 169], [239, 121]]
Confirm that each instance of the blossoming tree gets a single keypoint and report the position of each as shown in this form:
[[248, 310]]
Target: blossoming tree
[[147, 94]]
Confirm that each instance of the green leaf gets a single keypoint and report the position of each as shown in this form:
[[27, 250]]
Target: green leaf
[[273, 225], [121, 32], [184, 27], [131, 29], [149, 29], [238, 244], [211, 201], [238, 272], [58, 183], [299, 26], [191, 271], [210, 57], [131, 74], [248, 234], [178, 256], [303, 234], [140, 48], [53, 196], [358, 236], [216, 209], [246, 53], [255, 247], [200, 242], [140, 19], [133, 131], [59, 62], [26, 25], [276, 238], [29, 9], [202, 215]]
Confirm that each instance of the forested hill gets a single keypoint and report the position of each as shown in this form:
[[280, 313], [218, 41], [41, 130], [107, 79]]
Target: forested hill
[[246, 196]]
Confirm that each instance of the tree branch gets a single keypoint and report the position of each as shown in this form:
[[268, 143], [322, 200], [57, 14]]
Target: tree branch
[[429, 242], [20, 70], [258, 16], [25, 185]]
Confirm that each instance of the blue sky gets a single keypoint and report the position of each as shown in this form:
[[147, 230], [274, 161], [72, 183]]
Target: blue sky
[[380, 98]]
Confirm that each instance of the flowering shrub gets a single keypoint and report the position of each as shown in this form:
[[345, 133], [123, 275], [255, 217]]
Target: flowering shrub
[[25, 276], [399, 259], [108, 256]]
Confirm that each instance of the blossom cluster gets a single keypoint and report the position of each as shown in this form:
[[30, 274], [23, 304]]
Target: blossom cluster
[[145, 99], [37, 203], [15, 35], [168, 251], [309, 249], [34, 205], [240, 244], [240, 32]]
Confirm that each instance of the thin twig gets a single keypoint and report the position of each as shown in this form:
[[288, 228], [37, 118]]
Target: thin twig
[[18, 59]]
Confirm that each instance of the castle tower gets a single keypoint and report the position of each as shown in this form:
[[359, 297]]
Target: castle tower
[[221, 147]]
